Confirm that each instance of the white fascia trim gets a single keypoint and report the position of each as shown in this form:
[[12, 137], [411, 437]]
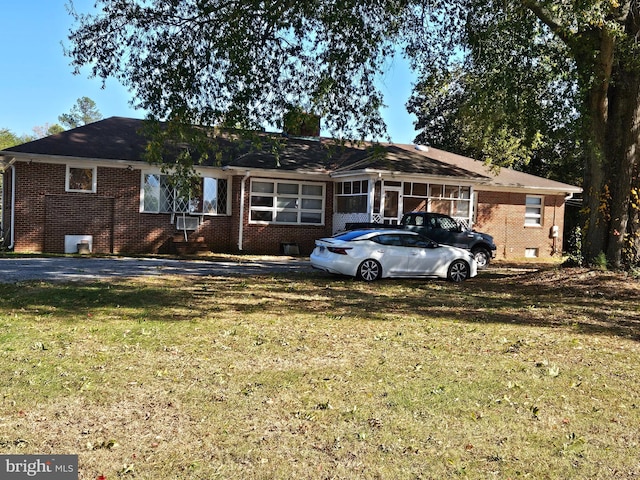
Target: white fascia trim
[[277, 174], [65, 160], [407, 177], [367, 172], [529, 189], [203, 171], [479, 184]]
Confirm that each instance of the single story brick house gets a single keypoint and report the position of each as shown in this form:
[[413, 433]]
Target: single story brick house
[[90, 187]]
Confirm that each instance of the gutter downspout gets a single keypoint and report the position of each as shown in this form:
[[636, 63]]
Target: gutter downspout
[[243, 187]]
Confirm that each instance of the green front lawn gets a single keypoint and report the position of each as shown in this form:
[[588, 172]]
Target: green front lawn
[[512, 374]]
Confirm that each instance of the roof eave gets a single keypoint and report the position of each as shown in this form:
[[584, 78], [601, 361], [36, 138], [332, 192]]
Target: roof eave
[[264, 172], [397, 173], [6, 160], [46, 158], [557, 190]]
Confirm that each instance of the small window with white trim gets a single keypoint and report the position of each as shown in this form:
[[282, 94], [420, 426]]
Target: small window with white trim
[[81, 179], [533, 211]]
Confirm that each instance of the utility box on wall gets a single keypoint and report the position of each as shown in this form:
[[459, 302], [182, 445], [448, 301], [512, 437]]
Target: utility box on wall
[[78, 243]]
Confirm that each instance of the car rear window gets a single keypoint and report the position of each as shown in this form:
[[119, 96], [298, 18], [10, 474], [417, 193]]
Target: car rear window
[[413, 220], [386, 239], [350, 235]]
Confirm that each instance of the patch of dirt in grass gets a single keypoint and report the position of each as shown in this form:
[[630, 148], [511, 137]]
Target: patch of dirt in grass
[[584, 281], [602, 302]]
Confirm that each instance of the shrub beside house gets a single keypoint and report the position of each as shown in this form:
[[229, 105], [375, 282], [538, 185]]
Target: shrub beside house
[[91, 185]]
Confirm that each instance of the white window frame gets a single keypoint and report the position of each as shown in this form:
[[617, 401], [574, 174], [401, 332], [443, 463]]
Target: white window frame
[[531, 252], [191, 210], [340, 193], [533, 211], [460, 198], [94, 179], [274, 209]]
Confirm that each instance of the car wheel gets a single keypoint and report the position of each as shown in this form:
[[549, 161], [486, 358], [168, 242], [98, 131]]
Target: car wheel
[[458, 271], [483, 257], [369, 270]]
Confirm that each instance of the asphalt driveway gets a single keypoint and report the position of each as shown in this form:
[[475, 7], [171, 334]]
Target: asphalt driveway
[[14, 270]]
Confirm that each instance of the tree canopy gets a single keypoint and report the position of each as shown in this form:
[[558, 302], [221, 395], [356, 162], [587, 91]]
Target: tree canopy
[[509, 100], [541, 84], [82, 112], [244, 63], [532, 83], [8, 138]]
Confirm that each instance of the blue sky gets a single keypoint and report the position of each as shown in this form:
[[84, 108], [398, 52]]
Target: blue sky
[[37, 83]]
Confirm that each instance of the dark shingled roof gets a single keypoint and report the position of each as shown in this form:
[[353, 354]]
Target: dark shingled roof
[[118, 138], [115, 138]]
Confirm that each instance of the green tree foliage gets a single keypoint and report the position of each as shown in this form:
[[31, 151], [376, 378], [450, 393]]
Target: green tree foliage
[[84, 111], [45, 130], [244, 63], [546, 82], [8, 138], [530, 80], [504, 95]]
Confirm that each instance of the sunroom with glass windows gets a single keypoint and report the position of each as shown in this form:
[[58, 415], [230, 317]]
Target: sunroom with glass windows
[[376, 199]]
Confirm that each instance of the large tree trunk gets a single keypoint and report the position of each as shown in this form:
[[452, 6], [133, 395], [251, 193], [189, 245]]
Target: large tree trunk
[[633, 228], [623, 149], [623, 141], [610, 80], [596, 75]]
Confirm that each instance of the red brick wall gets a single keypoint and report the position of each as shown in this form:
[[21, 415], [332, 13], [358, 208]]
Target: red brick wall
[[501, 214], [45, 213], [77, 214], [33, 182]]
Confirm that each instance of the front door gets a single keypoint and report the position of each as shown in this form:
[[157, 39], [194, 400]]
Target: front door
[[391, 205]]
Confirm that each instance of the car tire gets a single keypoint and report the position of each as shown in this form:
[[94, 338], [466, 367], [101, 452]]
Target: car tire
[[369, 270], [459, 271], [483, 257]]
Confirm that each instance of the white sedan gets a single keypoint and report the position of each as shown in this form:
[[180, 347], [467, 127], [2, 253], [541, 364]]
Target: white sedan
[[374, 254]]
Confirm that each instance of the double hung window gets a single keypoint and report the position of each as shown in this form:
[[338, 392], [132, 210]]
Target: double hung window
[[533, 211], [287, 202]]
